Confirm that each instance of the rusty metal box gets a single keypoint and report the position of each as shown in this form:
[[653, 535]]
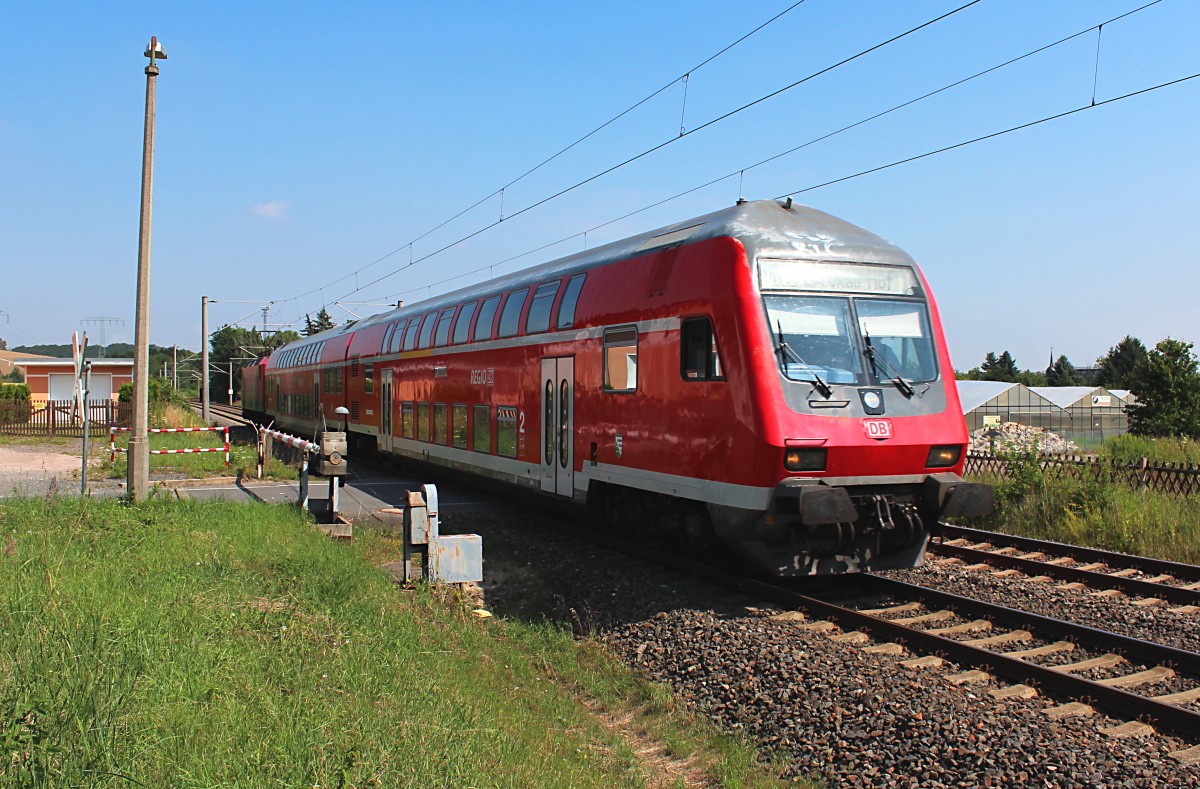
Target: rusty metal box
[[456, 559]]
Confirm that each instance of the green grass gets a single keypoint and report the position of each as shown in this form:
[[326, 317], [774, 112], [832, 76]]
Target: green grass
[[1131, 449], [180, 643], [1099, 514]]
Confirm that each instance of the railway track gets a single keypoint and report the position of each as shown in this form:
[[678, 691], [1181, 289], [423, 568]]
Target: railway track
[[1153, 580], [986, 641], [225, 414]]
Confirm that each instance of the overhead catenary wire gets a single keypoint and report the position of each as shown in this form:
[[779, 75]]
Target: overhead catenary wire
[[869, 171], [684, 77], [664, 144], [741, 171], [993, 135]]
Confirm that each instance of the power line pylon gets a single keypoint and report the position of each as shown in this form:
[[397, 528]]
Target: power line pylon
[[102, 322]]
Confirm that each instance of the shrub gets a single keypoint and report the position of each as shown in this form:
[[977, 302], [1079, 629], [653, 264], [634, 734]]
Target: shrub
[[14, 392]]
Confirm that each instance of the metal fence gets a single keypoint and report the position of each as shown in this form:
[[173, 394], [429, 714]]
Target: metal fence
[[1179, 479], [60, 418]]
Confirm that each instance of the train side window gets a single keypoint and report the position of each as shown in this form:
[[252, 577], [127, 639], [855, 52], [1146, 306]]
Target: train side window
[[458, 426], [462, 326], [406, 420], [397, 337], [620, 359], [506, 431], [410, 334], [510, 318], [427, 330], [443, 326], [487, 316], [369, 378], [481, 418], [387, 337], [698, 357], [439, 423], [422, 421], [538, 319], [566, 309]]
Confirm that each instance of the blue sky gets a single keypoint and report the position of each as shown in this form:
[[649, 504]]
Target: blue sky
[[298, 142]]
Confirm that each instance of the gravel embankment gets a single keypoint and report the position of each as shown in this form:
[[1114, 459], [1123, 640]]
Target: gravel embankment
[[827, 711]]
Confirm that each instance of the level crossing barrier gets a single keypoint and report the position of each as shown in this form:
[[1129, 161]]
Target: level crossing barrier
[[113, 449]]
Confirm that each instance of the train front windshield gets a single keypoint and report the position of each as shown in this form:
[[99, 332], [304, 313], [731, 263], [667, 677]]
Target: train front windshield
[[854, 339]]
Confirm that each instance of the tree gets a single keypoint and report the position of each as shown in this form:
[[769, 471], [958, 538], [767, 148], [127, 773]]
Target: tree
[[1063, 373], [999, 368], [1116, 366], [232, 344], [323, 322], [3, 344], [1167, 385]]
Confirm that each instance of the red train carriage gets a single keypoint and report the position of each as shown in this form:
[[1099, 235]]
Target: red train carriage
[[767, 371]]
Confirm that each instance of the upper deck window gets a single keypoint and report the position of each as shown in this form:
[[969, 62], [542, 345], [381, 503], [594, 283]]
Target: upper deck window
[[538, 319], [427, 330], [487, 316], [397, 337], [462, 327], [566, 308], [510, 318], [443, 326], [819, 275], [410, 334]]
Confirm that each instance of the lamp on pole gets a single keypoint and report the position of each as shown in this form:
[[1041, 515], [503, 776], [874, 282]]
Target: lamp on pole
[[138, 475]]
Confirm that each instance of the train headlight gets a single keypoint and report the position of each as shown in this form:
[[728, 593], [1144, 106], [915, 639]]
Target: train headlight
[[943, 457], [804, 460]]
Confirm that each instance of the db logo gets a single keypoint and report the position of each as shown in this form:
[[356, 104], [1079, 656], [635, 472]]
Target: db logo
[[877, 428]]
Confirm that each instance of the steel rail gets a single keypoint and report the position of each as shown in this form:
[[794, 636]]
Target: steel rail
[[1122, 703], [1093, 578], [1184, 572]]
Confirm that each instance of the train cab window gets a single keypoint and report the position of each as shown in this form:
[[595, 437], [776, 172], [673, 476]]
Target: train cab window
[[487, 316], [620, 359], [506, 431], [510, 318], [443, 326], [439, 423], [368, 378], [566, 309], [422, 421], [427, 330], [410, 334], [698, 357], [458, 426], [481, 425], [406, 420], [538, 319], [462, 326], [397, 337]]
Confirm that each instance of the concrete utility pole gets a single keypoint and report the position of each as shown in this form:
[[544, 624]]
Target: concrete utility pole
[[204, 358], [138, 478]]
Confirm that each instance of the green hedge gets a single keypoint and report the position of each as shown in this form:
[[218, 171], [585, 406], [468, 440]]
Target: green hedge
[[14, 392]]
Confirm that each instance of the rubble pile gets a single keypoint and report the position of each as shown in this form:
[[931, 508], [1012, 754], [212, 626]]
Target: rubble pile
[[1015, 437]]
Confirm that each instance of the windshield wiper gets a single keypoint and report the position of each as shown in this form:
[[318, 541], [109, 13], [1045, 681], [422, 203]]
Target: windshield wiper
[[783, 348], [876, 358]]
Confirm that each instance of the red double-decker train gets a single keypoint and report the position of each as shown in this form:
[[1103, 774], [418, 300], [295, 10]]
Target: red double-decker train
[[767, 373]]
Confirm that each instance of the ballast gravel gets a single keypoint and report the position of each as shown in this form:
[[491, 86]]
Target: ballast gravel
[[825, 711]]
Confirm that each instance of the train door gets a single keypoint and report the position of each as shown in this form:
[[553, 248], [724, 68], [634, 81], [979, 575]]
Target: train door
[[558, 426], [386, 406]]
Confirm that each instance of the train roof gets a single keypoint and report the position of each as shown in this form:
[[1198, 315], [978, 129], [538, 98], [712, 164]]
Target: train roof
[[765, 227]]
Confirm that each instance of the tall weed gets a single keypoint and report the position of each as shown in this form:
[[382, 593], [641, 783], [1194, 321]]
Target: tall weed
[[1085, 511]]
